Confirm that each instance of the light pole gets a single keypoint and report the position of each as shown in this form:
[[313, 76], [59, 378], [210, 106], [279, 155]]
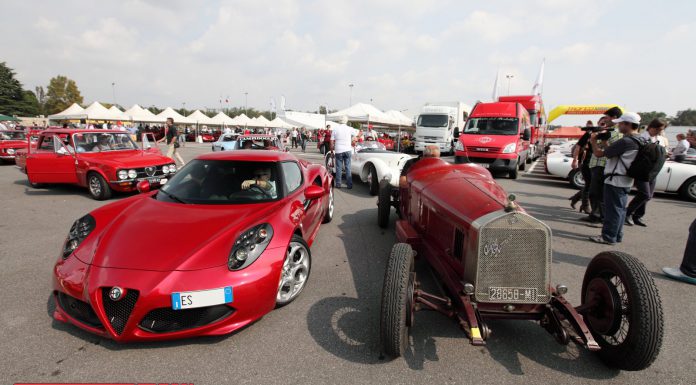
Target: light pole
[[350, 99], [246, 108], [509, 78], [183, 106], [113, 92]]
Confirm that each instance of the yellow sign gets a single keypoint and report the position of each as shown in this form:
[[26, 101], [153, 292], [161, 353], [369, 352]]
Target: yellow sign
[[588, 109]]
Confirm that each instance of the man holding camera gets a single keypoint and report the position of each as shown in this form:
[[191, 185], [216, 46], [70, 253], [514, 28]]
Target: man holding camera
[[619, 157]]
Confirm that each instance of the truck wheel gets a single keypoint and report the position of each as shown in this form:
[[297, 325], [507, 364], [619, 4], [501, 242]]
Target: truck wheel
[[512, 174], [328, 215], [625, 311], [397, 300], [98, 188], [576, 179], [688, 190], [373, 180], [384, 204]]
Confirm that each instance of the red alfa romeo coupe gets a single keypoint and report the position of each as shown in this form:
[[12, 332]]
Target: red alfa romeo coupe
[[233, 232]]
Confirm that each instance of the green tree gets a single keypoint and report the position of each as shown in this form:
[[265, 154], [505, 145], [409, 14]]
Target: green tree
[[29, 105], [11, 93], [60, 94], [685, 118], [646, 117]]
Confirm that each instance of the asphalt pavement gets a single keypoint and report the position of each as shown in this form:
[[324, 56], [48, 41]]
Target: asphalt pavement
[[330, 334]]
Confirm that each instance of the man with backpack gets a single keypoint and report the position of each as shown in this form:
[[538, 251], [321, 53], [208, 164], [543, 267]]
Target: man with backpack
[[619, 175]]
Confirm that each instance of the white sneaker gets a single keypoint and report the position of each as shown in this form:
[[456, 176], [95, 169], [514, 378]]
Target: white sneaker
[[676, 273]]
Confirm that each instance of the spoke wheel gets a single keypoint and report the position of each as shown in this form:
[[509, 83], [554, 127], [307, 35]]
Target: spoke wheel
[[295, 271], [328, 216]]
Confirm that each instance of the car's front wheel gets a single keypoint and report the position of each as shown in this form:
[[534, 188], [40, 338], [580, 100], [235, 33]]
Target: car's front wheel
[[98, 188], [295, 271], [397, 310], [373, 180], [688, 190], [576, 179]]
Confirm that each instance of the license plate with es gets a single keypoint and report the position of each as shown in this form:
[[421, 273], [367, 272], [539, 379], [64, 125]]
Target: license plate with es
[[201, 298], [513, 294]]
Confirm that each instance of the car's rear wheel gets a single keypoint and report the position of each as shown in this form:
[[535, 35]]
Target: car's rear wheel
[[98, 188], [624, 311], [328, 215], [397, 310], [688, 190], [576, 179], [522, 166], [384, 204], [295, 271], [373, 180]]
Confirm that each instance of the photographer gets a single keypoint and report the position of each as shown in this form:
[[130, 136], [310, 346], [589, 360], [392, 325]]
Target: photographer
[[604, 139], [582, 154], [620, 155]]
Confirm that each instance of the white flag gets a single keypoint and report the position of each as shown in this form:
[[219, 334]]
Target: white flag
[[539, 84], [273, 106], [282, 102], [495, 86]]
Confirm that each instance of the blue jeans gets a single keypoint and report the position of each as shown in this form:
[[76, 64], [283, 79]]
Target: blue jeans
[[343, 159], [615, 199]]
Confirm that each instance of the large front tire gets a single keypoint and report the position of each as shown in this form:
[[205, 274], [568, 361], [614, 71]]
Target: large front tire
[[374, 181], [576, 179], [397, 300], [625, 316], [295, 271], [97, 186], [328, 215], [512, 174], [384, 204], [688, 190]]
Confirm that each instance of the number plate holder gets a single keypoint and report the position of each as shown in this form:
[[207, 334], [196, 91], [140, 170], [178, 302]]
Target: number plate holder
[[512, 294]]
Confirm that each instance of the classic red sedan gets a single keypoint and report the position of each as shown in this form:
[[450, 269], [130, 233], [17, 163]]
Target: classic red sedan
[[101, 160], [234, 231], [10, 143]]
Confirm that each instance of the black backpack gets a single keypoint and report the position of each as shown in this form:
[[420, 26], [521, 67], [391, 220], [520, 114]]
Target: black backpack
[[649, 160]]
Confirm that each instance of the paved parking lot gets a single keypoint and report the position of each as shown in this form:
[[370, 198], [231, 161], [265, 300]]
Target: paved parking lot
[[330, 334]]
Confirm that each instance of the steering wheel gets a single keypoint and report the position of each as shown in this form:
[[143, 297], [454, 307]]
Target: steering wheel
[[262, 191]]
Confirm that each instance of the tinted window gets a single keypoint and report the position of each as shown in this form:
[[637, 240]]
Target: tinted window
[[292, 176], [492, 126], [433, 120]]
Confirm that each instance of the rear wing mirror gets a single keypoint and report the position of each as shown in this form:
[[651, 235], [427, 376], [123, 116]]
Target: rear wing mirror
[[526, 134]]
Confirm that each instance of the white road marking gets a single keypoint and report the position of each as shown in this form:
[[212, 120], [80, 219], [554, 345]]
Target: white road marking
[[533, 166]]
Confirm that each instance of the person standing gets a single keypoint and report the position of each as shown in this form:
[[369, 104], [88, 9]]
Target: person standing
[[582, 154], [646, 189], [620, 155], [342, 142], [173, 141], [687, 270], [679, 152], [303, 139], [293, 135]]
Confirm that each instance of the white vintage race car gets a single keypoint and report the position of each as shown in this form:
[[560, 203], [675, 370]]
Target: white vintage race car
[[673, 178], [372, 162]]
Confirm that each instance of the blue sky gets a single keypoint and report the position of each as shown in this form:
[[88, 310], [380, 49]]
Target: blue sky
[[399, 53]]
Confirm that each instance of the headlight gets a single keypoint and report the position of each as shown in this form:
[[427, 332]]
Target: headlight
[[172, 168], [165, 169], [458, 146], [249, 246], [510, 148], [123, 174], [10, 151], [78, 232], [132, 174]]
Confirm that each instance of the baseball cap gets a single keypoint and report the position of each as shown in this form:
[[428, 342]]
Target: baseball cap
[[630, 117]]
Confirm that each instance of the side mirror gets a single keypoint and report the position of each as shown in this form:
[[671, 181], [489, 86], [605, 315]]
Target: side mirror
[[526, 134], [313, 192], [143, 186]]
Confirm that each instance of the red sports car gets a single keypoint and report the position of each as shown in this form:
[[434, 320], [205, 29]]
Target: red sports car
[[10, 143], [233, 229]]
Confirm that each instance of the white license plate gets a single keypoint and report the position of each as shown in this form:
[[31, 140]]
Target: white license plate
[[512, 294], [484, 165], [201, 298]]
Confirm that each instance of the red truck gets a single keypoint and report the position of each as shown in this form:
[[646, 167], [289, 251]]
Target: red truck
[[101, 160], [537, 115], [496, 136]]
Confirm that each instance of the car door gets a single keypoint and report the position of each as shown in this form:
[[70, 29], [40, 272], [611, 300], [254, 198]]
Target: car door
[[663, 177], [52, 161], [293, 180], [356, 161]]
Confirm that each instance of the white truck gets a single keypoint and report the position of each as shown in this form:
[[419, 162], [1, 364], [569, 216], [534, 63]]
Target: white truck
[[440, 124]]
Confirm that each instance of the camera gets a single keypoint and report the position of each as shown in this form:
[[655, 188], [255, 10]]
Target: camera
[[593, 128], [603, 135]]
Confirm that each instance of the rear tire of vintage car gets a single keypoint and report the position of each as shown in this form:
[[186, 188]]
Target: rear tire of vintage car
[[397, 308], [576, 180], [374, 181], [384, 204], [328, 215], [626, 318], [295, 271], [97, 186], [688, 190]]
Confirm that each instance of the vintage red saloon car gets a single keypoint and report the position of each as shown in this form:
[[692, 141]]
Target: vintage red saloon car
[[11, 141], [494, 261], [234, 231], [101, 160]]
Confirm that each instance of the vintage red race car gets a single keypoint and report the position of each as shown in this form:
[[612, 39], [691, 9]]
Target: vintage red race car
[[11, 141], [234, 231], [101, 160], [494, 262]]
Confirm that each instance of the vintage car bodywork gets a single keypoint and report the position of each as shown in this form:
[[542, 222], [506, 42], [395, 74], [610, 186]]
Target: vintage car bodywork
[[229, 142], [494, 262], [226, 142], [12, 141], [112, 280], [674, 177], [372, 162], [60, 157]]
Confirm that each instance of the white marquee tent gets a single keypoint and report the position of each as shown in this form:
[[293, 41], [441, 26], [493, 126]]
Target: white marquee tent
[[399, 118], [362, 112], [139, 114], [201, 118], [260, 121], [221, 120], [279, 123], [178, 118], [241, 120], [72, 112], [303, 119]]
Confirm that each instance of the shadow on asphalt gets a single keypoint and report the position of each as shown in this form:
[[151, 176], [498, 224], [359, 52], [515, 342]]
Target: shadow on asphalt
[[64, 189], [349, 327]]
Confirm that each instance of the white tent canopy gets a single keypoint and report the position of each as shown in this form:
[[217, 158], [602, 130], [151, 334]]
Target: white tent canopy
[[362, 112], [96, 111], [241, 120], [72, 112], [118, 113], [139, 114], [263, 122], [221, 120], [279, 123], [399, 118], [303, 119], [178, 118], [201, 118]]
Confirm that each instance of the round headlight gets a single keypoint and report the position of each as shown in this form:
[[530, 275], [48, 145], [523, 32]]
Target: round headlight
[[165, 169], [132, 174], [241, 254], [172, 167], [123, 174]]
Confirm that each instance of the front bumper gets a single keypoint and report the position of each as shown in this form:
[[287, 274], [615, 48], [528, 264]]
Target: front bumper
[[506, 162], [128, 185], [443, 146], [254, 291]]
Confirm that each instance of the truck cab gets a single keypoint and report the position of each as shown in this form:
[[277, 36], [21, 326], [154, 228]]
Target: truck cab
[[496, 136], [537, 115], [439, 124]]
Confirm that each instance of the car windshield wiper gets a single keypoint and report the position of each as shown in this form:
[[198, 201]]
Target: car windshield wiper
[[173, 197]]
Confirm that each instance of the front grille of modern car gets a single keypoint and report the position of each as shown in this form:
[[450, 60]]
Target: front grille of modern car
[[166, 319], [482, 149], [79, 310], [514, 255], [118, 312]]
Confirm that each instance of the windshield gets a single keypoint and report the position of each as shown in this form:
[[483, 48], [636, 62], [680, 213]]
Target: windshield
[[491, 126], [12, 135], [103, 142], [371, 146], [433, 120], [222, 182], [256, 143]]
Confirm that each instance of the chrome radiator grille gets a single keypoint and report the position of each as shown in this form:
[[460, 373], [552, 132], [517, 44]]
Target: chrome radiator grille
[[514, 256]]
